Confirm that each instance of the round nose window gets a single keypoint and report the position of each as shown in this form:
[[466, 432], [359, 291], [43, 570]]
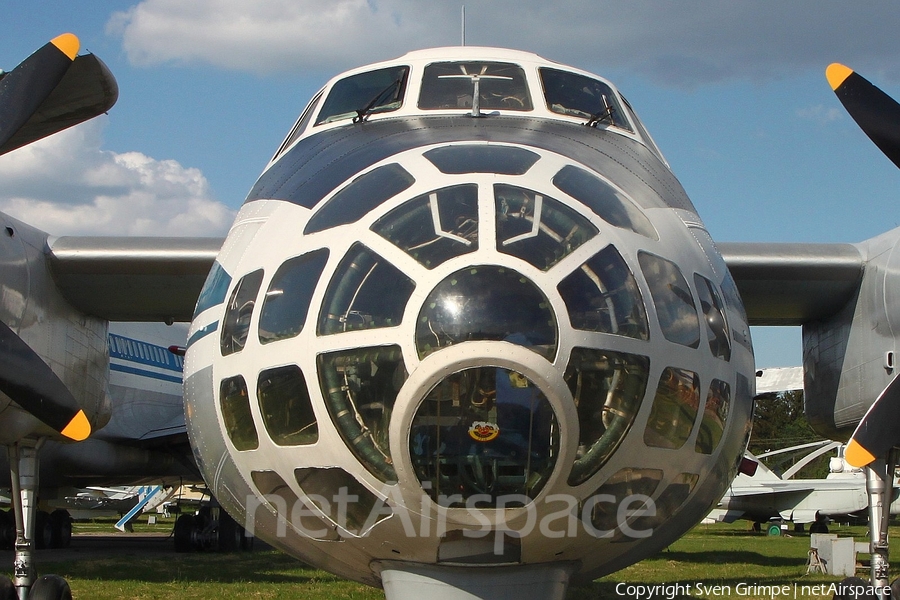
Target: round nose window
[[486, 303], [487, 432]]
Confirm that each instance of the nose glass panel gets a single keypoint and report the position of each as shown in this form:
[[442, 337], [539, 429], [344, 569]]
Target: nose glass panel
[[486, 303], [485, 432]]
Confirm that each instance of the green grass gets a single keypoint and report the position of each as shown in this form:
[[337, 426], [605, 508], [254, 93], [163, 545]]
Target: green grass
[[719, 554]]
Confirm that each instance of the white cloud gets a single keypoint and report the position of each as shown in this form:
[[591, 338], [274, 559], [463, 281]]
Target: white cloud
[[820, 114], [679, 43], [66, 185]]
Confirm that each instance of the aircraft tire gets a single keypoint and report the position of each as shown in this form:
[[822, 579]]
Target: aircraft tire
[[818, 527], [43, 530], [7, 530], [774, 530], [895, 588], [61, 528], [7, 589], [229, 533], [50, 587], [183, 533]]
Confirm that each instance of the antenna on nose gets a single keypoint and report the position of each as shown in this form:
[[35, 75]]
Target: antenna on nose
[[463, 25]]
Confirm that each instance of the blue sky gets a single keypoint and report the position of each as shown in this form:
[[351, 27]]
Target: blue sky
[[733, 92]]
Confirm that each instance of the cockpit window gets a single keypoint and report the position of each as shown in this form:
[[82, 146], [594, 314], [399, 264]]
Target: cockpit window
[[579, 96], [364, 94], [301, 124], [501, 86]]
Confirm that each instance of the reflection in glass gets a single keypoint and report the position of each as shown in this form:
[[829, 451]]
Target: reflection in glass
[[236, 415], [672, 297], [360, 387], [484, 430], [603, 296], [502, 86], [714, 414], [290, 508], [325, 487], [575, 95], [236, 323], [714, 318], [608, 388], [378, 91], [625, 483], [674, 409], [286, 303], [436, 226], [361, 195], [486, 303], [537, 228], [667, 503], [214, 289], [366, 292], [607, 203], [285, 406]]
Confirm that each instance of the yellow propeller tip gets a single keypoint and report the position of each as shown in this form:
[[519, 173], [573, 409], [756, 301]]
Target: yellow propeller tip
[[836, 74], [79, 428], [68, 44], [857, 456]]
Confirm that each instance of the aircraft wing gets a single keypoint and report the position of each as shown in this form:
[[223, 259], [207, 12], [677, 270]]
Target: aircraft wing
[[159, 278], [132, 278], [790, 284]]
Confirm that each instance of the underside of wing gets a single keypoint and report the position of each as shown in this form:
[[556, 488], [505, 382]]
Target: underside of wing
[[791, 284], [132, 278]]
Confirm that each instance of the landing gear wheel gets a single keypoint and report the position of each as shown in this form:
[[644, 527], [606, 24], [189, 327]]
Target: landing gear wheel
[[895, 588], [229, 533], [774, 530], [852, 588], [50, 587], [246, 541], [7, 530], [43, 530], [7, 589], [183, 534], [818, 527], [61, 529]]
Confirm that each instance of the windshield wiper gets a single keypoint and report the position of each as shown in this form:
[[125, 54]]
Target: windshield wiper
[[605, 114], [363, 113]]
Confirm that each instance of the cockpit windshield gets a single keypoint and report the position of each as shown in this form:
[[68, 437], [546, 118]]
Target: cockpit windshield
[[365, 93], [575, 95], [501, 86]]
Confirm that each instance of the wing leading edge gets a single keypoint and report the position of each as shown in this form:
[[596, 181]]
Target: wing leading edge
[[159, 279]]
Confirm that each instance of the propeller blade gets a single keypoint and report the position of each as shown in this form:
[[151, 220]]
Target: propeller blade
[[24, 88], [876, 113], [29, 381], [877, 432]]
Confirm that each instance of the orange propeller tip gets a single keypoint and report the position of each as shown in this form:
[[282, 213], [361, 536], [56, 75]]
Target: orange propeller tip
[[68, 44], [856, 455], [79, 428], [836, 74]]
